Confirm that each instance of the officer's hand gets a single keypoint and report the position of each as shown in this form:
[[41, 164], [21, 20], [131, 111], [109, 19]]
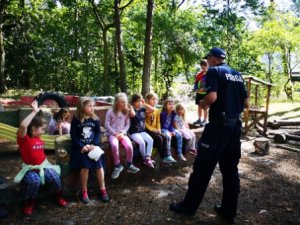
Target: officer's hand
[[203, 104]]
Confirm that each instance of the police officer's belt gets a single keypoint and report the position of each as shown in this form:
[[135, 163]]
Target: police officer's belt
[[225, 120]]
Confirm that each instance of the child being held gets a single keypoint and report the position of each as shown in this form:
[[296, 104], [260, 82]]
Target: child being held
[[85, 135], [183, 127], [36, 169], [137, 132], [167, 117], [117, 123], [59, 124]]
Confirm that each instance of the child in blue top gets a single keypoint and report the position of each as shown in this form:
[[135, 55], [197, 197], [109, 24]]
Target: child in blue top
[[167, 117], [85, 135]]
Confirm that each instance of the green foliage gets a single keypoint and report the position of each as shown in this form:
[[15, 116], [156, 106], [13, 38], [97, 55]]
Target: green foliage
[[59, 45]]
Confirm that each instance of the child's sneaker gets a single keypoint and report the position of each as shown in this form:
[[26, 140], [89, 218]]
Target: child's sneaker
[[132, 169], [197, 122], [181, 157], [193, 151], [203, 123], [169, 159], [28, 207], [117, 171], [104, 196], [148, 162], [85, 197], [60, 200]]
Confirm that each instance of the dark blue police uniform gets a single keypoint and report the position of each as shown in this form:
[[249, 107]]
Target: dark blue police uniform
[[220, 142]]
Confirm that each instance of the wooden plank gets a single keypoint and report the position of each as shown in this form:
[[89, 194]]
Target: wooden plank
[[288, 148]]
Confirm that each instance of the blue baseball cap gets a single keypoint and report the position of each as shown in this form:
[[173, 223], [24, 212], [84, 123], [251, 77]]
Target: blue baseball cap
[[217, 52]]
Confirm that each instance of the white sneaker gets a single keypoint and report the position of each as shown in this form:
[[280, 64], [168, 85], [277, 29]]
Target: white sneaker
[[117, 171], [181, 157], [169, 159], [132, 169]]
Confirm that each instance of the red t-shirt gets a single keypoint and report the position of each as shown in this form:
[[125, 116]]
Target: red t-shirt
[[199, 76], [32, 150]]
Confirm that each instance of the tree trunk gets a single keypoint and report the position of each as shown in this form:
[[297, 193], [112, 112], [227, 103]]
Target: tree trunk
[[2, 50], [148, 49], [269, 74], [105, 63], [288, 86], [123, 82]]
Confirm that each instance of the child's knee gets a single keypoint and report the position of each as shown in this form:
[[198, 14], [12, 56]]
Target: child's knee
[[35, 182]]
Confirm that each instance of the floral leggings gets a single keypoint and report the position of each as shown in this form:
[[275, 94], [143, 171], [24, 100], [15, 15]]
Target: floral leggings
[[32, 181]]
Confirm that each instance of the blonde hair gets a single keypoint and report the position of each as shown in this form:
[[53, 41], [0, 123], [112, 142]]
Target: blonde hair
[[150, 95], [80, 108], [166, 103], [178, 107], [119, 97]]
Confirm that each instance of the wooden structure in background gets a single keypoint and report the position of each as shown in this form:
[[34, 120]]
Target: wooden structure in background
[[259, 115]]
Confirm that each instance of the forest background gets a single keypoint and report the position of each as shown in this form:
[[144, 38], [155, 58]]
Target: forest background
[[101, 47]]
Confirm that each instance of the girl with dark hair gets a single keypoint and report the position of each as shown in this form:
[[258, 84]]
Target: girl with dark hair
[[36, 169]]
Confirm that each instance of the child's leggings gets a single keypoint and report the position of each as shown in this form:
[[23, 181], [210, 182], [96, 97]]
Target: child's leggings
[[178, 137], [33, 181], [114, 144], [190, 137], [160, 142], [142, 138]]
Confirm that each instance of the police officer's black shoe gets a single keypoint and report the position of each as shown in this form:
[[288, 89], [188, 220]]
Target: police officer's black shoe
[[219, 211], [180, 209]]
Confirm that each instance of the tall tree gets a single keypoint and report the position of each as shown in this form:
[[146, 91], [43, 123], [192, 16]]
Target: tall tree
[[147, 49], [118, 9], [105, 27], [3, 87]]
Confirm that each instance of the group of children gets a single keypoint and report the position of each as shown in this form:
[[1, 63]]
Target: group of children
[[140, 121]]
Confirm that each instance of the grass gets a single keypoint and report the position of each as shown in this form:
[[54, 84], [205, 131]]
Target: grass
[[17, 93]]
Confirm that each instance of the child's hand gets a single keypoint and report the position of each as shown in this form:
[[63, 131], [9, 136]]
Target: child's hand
[[120, 136], [172, 134], [91, 147], [143, 101], [35, 106], [85, 149]]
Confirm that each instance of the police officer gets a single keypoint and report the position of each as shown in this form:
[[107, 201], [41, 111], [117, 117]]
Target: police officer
[[220, 141]]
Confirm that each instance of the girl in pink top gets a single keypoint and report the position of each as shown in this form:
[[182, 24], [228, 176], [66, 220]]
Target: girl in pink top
[[117, 123]]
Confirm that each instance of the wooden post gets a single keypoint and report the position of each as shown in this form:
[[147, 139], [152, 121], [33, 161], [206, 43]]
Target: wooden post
[[247, 109], [261, 146]]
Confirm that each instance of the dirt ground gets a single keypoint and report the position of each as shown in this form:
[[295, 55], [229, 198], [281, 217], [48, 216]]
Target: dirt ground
[[270, 191], [269, 194]]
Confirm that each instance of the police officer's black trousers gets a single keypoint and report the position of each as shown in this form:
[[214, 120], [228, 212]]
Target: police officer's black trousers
[[218, 144]]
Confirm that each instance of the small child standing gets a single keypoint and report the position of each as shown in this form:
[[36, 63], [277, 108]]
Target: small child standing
[[167, 117], [182, 126], [117, 123], [137, 132], [36, 169], [199, 88], [85, 135], [59, 124], [154, 130]]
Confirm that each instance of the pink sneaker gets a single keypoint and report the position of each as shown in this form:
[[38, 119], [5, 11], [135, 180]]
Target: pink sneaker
[[193, 151], [148, 162]]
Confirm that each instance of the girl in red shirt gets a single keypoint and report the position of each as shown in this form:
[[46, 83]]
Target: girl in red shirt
[[36, 169]]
